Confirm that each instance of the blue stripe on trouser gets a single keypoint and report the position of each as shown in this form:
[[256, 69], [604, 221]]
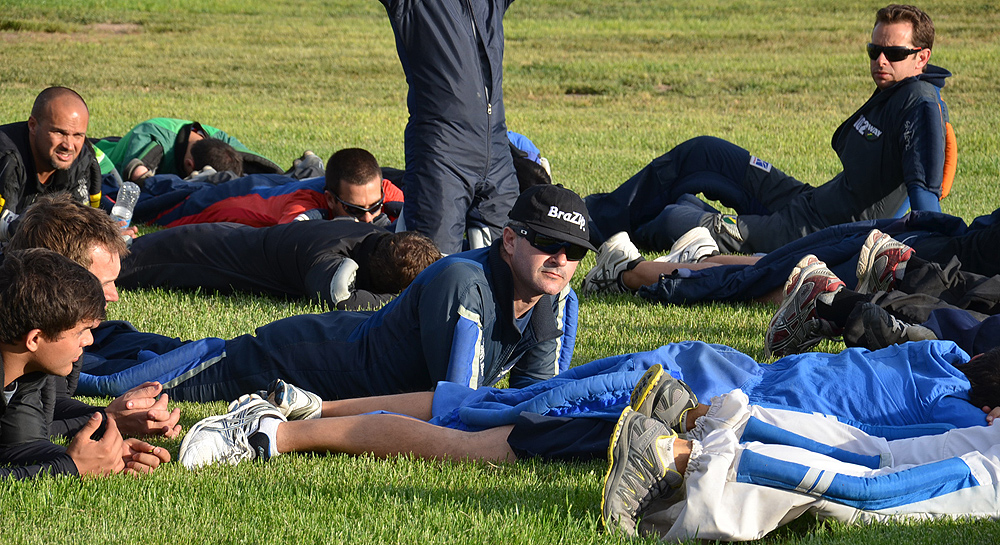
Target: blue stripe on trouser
[[887, 432], [882, 491], [763, 432], [169, 369]]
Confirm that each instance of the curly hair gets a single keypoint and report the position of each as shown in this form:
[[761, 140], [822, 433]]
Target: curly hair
[[398, 258]]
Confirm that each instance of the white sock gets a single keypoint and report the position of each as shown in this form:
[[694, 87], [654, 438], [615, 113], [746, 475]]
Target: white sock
[[269, 427]]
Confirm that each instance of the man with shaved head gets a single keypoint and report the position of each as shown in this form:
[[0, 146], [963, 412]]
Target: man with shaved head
[[48, 153]]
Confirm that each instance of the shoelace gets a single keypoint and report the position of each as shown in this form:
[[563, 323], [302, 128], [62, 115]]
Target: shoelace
[[234, 431], [650, 478]]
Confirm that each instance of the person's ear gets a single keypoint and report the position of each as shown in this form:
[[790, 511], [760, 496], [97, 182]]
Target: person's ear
[[923, 57], [508, 240], [33, 340], [331, 203], [188, 166]]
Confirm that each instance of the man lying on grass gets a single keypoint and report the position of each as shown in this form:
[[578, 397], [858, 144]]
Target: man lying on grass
[[913, 389], [49, 306], [470, 318]]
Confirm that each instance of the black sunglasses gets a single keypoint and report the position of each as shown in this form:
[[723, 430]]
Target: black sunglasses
[[360, 211], [893, 53], [550, 245]]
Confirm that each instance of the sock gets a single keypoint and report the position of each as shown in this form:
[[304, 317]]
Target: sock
[[628, 267], [269, 427], [839, 309]]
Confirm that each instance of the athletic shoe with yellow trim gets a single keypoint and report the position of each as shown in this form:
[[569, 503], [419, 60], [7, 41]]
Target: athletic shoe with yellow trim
[[641, 469], [659, 395]]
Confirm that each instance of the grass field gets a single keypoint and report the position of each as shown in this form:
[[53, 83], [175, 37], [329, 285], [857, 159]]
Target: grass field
[[601, 87]]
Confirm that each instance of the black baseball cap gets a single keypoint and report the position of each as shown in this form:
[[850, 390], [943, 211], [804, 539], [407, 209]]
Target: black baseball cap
[[554, 211]]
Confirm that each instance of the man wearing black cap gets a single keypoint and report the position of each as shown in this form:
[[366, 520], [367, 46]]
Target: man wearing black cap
[[470, 318]]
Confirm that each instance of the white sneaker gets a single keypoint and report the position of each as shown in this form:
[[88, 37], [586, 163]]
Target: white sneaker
[[294, 402], [692, 247], [230, 438], [613, 258]]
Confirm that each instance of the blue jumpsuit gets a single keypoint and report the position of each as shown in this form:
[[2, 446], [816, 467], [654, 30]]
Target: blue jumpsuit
[[891, 149], [458, 162], [454, 323]]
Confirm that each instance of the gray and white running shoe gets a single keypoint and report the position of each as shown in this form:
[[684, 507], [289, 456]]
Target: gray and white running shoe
[[294, 402], [613, 258], [230, 438], [692, 247]]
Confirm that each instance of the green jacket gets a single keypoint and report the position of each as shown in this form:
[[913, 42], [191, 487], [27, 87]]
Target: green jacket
[[160, 144]]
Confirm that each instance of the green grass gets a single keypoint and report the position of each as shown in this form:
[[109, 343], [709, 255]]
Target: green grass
[[602, 87]]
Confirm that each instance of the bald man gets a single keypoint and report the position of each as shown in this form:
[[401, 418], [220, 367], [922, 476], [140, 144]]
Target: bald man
[[48, 153]]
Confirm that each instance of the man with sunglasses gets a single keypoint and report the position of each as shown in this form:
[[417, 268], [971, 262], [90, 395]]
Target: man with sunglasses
[[892, 150], [470, 318], [356, 189]]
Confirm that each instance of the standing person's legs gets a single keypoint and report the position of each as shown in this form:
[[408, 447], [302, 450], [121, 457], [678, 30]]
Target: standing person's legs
[[438, 197], [495, 195]]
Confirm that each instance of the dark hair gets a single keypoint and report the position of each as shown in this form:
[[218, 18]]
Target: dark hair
[[983, 372], [56, 222], [217, 154], [398, 258], [39, 110], [353, 166], [529, 173], [40, 289], [923, 27]]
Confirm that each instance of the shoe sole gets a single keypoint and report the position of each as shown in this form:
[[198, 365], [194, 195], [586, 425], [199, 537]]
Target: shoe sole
[[643, 388], [799, 275], [614, 474], [866, 282]]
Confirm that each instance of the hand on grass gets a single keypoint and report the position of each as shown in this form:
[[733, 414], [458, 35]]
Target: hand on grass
[[98, 458], [140, 457]]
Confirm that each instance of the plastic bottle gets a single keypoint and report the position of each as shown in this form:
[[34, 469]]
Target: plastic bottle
[[121, 213]]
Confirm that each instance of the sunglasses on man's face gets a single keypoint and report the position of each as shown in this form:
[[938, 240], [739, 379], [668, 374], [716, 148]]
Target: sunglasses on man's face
[[893, 53], [550, 245], [360, 211]]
